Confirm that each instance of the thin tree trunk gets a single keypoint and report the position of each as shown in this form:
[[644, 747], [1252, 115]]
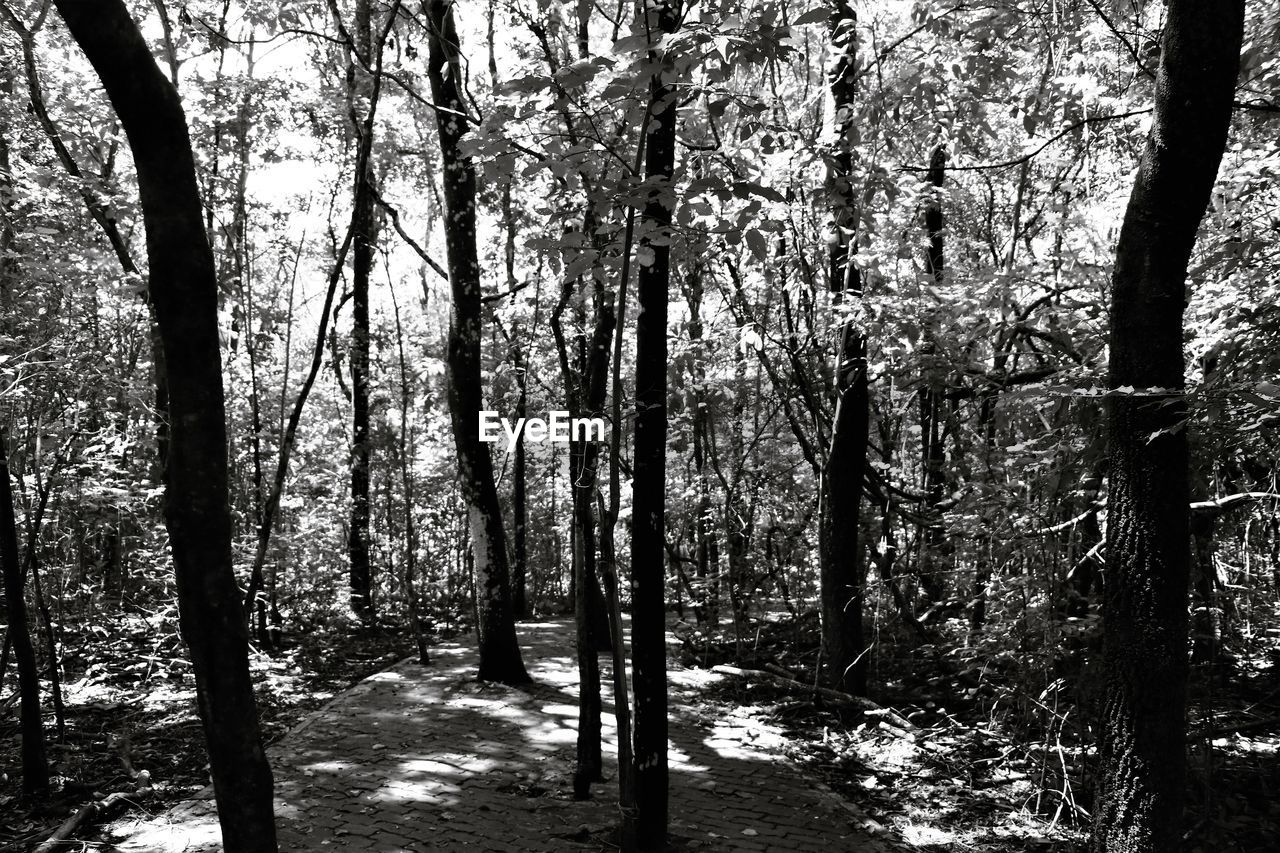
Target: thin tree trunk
[[1143, 746], [184, 291], [519, 366], [33, 521], [593, 638], [98, 210], [703, 600], [290, 430], [363, 225], [932, 398], [499, 650], [35, 763], [628, 831], [254, 603], [412, 597], [519, 509]]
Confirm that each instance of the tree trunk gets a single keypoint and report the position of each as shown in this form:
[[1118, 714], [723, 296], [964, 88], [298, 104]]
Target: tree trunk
[[840, 513], [932, 397], [35, 763], [8, 236], [499, 650], [1143, 753], [184, 291], [412, 598], [589, 762], [363, 227], [594, 629], [1207, 623], [519, 509], [648, 533], [702, 599]]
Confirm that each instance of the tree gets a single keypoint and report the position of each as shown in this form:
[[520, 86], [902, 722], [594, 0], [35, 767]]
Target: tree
[[183, 288], [648, 532], [846, 461], [364, 226], [35, 764], [499, 651], [1143, 752]]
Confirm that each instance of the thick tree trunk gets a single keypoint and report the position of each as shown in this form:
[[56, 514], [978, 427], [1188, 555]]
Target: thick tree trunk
[[184, 291], [499, 650], [1142, 753], [844, 655], [648, 532], [35, 763], [840, 513]]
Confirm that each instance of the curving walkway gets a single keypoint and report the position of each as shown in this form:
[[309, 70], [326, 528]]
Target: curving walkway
[[427, 758]]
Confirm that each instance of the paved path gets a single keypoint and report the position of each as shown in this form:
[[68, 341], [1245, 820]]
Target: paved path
[[427, 758]]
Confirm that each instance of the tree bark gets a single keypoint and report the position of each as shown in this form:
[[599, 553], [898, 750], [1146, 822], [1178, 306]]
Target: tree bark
[[363, 227], [184, 291], [840, 514], [705, 598], [499, 650], [519, 490], [592, 637], [932, 393], [648, 533], [35, 763], [1142, 752]]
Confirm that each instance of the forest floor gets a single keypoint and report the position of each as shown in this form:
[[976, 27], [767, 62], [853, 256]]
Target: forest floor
[[130, 708], [418, 758], [963, 777], [1001, 755]]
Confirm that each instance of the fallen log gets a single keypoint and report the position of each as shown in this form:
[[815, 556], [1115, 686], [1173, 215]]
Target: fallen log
[[838, 697], [86, 814]]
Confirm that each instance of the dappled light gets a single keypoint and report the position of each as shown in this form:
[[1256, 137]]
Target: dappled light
[[433, 749], [639, 427]]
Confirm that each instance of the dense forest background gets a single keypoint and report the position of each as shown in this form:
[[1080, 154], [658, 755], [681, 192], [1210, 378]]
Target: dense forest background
[[906, 209]]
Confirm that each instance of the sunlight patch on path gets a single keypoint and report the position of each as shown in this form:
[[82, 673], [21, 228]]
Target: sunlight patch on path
[[426, 758]]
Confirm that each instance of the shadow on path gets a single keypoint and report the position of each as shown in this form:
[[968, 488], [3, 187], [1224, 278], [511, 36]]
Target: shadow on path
[[427, 758]]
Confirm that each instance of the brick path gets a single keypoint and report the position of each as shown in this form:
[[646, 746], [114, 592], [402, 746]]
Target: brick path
[[427, 758]]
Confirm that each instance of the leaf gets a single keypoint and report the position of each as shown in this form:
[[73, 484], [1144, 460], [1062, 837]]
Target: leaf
[[813, 16], [630, 44], [575, 75], [757, 244], [742, 189]]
